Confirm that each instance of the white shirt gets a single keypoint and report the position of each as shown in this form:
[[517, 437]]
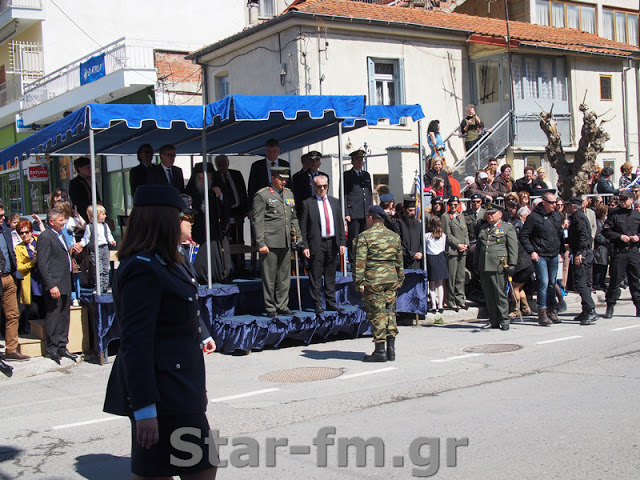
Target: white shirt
[[102, 240], [323, 222], [435, 247], [228, 178]]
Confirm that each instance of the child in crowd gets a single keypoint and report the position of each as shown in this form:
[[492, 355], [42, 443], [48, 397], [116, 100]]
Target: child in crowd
[[437, 268], [104, 239]]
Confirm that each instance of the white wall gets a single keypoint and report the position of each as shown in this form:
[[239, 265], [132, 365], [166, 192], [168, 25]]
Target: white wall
[[187, 25]]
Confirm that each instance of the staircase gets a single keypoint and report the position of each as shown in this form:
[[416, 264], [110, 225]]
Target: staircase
[[34, 344], [490, 145]]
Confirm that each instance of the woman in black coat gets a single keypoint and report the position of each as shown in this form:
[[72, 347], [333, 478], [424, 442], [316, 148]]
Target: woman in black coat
[[158, 378], [600, 251], [436, 171]]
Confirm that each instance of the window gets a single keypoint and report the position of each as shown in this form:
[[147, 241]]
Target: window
[[222, 86], [266, 9], [487, 84], [605, 87], [386, 81], [620, 26], [536, 77], [570, 15]]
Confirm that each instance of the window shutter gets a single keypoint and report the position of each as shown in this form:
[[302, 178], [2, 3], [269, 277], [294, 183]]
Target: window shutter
[[371, 66], [402, 99]]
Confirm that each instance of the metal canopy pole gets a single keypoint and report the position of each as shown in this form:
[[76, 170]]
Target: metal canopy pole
[[94, 203], [342, 198], [21, 181], [419, 192], [207, 220]]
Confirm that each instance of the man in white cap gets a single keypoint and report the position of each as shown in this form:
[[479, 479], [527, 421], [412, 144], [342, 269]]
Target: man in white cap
[[482, 187]]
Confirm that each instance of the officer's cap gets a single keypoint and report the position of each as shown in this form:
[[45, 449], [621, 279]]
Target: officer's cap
[[280, 171], [377, 211], [409, 202], [454, 198], [160, 195], [314, 155], [577, 201], [437, 199], [199, 168], [386, 198], [475, 196], [625, 194], [357, 153], [492, 208]]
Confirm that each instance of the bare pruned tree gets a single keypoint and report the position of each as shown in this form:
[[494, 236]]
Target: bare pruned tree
[[573, 177]]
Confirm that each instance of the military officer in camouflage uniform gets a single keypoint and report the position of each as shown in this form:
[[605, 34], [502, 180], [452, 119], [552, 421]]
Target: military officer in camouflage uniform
[[496, 257], [454, 226], [378, 275], [274, 217]]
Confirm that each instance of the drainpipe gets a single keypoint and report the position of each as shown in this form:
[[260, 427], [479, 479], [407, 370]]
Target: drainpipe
[[253, 5], [626, 113]]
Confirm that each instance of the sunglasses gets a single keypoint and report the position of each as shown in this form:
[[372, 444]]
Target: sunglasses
[[552, 203], [476, 201], [187, 217], [24, 233], [321, 187]]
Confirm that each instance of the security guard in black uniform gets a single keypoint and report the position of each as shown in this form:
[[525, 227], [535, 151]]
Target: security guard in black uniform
[[581, 248], [622, 229]]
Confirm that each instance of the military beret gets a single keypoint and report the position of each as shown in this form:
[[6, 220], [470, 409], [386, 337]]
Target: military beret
[[314, 154], [492, 208], [280, 171], [409, 202], [577, 201], [377, 211], [357, 153], [454, 198], [199, 168], [386, 198], [625, 194], [160, 195], [475, 196]]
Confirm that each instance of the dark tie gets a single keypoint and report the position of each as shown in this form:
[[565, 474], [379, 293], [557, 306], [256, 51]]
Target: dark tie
[[170, 174], [326, 216]]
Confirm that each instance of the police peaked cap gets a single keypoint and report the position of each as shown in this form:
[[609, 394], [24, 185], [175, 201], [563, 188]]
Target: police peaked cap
[[159, 195]]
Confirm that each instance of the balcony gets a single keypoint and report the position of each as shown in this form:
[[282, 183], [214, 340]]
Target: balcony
[[129, 67], [17, 16]]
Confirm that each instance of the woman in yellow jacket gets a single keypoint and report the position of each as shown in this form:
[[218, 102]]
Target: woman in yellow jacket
[[26, 257]]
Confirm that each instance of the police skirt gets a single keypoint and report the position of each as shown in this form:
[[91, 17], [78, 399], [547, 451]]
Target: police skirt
[[437, 268], [186, 453]]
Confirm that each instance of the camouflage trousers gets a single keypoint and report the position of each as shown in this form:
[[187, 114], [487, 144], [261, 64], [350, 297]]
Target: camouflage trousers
[[380, 306]]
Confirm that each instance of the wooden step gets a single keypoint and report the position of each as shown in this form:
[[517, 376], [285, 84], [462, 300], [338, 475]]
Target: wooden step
[[31, 346], [79, 336]]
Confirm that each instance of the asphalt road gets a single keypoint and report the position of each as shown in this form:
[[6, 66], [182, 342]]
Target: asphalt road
[[564, 406]]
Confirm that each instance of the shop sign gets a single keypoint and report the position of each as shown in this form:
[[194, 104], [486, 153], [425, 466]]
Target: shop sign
[[38, 173]]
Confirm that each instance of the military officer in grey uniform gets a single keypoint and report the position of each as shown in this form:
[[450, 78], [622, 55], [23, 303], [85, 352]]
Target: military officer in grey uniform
[[274, 218], [496, 257], [455, 227]]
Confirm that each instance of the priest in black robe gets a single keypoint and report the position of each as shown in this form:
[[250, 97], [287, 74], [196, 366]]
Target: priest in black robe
[[411, 235]]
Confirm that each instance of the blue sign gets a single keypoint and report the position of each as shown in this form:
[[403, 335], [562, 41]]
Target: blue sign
[[92, 69]]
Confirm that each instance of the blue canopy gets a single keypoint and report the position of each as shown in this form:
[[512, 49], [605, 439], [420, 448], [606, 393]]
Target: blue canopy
[[374, 113], [237, 124]]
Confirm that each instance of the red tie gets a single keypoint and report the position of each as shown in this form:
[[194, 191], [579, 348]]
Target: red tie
[[326, 216]]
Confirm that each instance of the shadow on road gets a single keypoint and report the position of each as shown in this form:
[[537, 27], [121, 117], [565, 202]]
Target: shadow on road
[[103, 466], [337, 354], [7, 453]]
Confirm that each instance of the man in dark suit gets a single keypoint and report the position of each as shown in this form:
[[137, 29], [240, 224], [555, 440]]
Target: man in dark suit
[[54, 264], [80, 187], [138, 175], [9, 292], [167, 173], [303, 181], [260, 174], [236, 202], [357, 190], [323, 229]]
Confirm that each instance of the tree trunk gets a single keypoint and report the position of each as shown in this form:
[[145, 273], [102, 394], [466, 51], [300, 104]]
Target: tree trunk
[[573, 178]]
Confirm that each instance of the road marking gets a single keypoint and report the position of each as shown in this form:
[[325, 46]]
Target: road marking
[[88, 422], [624, 328], [457, 357], [370, 372], [244, 395], [558, 339]]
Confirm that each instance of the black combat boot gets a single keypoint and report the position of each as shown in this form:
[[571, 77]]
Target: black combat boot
[[609, 312], [391, 348], [590, 318], [581, 316], [378, 355], [542, 318]]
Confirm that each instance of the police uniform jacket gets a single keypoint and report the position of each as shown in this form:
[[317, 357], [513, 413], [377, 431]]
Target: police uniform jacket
[[159, 360], [457, 233], [622, 221], [580, 239], [273, 217], [496, 245], [358, 193]]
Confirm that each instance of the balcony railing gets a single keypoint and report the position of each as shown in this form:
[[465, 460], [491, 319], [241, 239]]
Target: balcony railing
[[33, 4], [119, 55]]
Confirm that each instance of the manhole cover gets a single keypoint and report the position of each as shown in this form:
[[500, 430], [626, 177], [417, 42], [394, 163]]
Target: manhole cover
[[306, 374], [493, 348]]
